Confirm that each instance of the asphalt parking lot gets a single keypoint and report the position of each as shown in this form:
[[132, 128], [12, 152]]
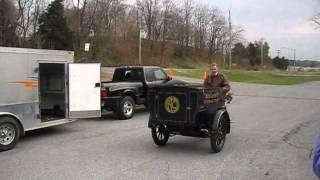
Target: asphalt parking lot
[[273, 130]]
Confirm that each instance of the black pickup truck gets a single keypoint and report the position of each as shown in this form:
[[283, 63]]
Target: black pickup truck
[[129, 87]]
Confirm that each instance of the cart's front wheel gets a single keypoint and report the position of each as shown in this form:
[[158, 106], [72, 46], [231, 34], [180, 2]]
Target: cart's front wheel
[[218, 137], [160, 135]]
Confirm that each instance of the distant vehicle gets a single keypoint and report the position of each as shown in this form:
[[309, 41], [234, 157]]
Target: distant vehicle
[[43, 88], [129, 87], [188, 110]]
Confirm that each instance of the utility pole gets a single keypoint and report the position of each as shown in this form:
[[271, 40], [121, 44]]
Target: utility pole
[[224, 52], [140, 46], [230, 42], [139, 17], [262, 52], [294, 56], [294, 59]]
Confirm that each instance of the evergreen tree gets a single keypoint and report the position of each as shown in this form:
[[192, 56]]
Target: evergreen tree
[[239, 50], [8, 23], [280, 63], [53, 28], [266, 49], [252, 54]]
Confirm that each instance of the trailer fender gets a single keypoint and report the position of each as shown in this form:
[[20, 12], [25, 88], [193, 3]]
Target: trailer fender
[[217, 117], [3, 114]]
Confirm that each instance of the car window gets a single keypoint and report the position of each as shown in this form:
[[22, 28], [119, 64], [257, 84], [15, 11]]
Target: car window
[[160, 75], [127, 75], [155, 74]]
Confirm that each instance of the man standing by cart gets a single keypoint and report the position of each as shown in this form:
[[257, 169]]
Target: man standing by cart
[[216, 79]]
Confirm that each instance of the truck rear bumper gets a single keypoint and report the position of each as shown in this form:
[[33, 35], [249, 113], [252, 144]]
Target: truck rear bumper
[[110, 103]]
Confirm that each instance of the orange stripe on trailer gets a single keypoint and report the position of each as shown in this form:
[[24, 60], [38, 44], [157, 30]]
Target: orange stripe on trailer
[[29, 84]]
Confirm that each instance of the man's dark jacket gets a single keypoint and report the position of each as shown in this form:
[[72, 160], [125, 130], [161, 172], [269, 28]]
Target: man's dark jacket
[[218, 80]]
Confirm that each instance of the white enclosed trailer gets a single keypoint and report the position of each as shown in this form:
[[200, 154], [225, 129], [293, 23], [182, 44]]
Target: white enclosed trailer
[[43, 88]]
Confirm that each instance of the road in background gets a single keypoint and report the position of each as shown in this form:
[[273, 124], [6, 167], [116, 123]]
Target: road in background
[[273, 130]]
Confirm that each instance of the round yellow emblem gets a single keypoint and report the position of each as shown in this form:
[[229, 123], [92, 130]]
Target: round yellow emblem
[[172, 104]]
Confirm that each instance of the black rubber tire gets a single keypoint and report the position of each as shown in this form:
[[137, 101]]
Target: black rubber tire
[[159, 135], [120, 112], [14, 124], [217, 139]]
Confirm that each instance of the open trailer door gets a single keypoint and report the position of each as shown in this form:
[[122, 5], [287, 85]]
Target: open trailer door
[[84, 91]]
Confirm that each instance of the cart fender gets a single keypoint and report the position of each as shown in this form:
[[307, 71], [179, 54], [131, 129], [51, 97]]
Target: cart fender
[[217, 117], [152, 122]]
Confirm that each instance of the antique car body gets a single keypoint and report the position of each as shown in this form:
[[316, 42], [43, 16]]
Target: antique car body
[[188, 110]]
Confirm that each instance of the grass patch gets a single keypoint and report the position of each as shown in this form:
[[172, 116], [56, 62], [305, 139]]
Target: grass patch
[[187, 63], [259, 77]]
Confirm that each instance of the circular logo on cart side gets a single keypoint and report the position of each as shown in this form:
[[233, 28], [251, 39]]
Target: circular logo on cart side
[[172, 104]]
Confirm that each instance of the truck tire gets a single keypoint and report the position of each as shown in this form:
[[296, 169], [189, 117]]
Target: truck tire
[[9, 133], [126, 108], [159, 135], [218, 137]]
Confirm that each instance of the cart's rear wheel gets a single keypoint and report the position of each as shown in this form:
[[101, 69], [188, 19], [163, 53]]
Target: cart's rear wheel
[[160, 135], [218, 138]]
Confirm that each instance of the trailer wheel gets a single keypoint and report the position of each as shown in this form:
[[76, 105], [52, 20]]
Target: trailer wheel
[[218, 137], [160, 135], [126, 108], [9, 133]]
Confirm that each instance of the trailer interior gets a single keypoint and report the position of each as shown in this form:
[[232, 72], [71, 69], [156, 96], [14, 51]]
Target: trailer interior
[[52, 91]]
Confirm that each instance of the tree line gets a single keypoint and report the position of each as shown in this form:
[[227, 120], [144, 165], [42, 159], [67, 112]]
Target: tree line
[[113, 27]]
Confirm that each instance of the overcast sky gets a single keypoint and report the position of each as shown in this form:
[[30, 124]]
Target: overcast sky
[[282, 23]]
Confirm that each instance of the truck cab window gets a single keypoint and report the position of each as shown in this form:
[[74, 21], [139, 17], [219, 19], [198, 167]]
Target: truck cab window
[[155, 74], [127, 75], [160, 75]]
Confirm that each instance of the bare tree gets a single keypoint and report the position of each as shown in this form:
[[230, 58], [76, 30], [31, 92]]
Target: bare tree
[[149, 12], [27, 20], [128, 22], [188, 6], [216, 31], [166, 25], [76, 18], [316, 20], [201, 26], [8, 23], [38, 8], [237, 35], [24, 16]]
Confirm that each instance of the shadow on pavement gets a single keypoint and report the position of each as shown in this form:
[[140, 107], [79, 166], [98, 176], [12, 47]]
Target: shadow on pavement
[[186, 146], [47, 132]]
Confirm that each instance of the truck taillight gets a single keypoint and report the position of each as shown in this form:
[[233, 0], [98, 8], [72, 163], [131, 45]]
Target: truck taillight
[[104, 93]]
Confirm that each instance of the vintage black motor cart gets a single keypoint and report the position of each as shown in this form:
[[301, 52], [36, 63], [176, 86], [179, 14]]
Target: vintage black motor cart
[[188, 110]]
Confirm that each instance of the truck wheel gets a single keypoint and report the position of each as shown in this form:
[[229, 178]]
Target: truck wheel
[[218, 138], [160, 135], [126, 108], [9, 133]]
